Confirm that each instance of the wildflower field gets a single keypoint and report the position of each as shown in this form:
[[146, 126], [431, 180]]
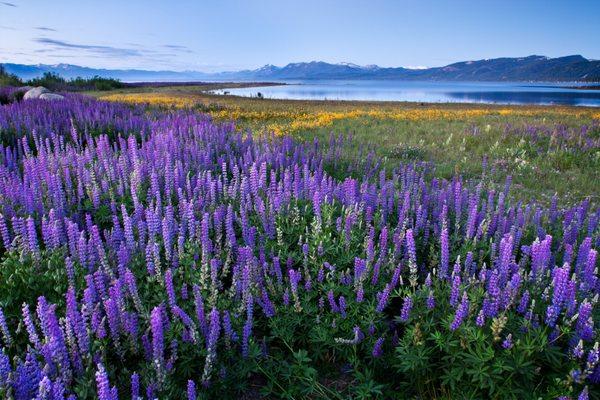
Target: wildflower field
[[545, 150], [156, 249]]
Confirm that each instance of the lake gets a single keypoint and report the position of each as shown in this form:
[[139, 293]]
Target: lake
[[435, 92]]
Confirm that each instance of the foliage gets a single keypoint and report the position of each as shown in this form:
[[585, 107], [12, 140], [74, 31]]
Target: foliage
[[55, 82], [8, 79]]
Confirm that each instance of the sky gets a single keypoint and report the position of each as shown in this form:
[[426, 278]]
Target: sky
[[225, 35]]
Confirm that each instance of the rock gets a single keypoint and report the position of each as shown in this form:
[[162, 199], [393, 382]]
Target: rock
[[24, 89], [51, 96], [35, 93]]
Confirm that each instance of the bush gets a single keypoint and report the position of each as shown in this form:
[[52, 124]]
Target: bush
[[49, 80], [7, 79]]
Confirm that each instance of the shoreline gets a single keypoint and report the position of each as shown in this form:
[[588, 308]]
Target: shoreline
[[222, 85]]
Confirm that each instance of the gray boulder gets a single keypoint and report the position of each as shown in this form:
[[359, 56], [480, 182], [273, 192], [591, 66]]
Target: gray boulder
[[24, 89], [51, 96], [35, 93]]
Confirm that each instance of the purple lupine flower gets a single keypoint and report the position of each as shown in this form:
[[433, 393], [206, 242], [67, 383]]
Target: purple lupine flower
[[552, 313], [406, 308], [70, 269], [132, 288], [583, 253], [76, 320], [584, 394], [342, 306], [6, 239], [456, 270], [378, 348], [246, 333], [444, 253], [383, 298], [211, 345], [578, 351], [169, 288], [360, 294], [524, 303], [332, 302], [157, 327], [230, 334], [593, 357], [589, 275], [150, 267], [286, 297], [103, 385], [150, 389], [462, 311], [317, 205], [507, 343], [506, 248], [200, 314], [427, 282], [480, 320], [113, 316], [594, 377], [191, 390], [5, 370], [585, 325], [4, 329], [32, 240], [321, 275], [30, 327], [266, 304], [430, 302], [396, 277], [294, 280], [135, 386], [472, 215], [455, 292], [360, 267], [214, 329], [412, 256]]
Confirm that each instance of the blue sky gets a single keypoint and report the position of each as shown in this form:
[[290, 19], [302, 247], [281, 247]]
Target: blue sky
[[220, 35]]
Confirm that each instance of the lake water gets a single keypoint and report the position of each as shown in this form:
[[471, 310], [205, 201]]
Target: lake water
[[436, 92]]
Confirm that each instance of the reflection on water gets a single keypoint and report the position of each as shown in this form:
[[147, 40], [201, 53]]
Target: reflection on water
[[577, 97], [463, 92]]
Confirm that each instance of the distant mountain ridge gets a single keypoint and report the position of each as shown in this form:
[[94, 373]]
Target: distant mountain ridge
[[532, 68]]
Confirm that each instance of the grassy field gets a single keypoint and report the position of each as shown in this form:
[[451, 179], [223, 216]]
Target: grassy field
[[545, 149]]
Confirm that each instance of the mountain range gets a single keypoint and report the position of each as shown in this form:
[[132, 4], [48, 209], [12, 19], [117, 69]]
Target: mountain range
[[532, 68]]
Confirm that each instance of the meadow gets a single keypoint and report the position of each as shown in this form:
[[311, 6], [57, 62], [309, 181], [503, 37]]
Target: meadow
[[167, 243], [546, 150]]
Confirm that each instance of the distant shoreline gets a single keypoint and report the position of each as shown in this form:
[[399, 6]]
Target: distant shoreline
[[223, 85], [591, 87]]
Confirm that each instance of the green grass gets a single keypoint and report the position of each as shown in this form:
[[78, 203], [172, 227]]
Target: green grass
[[538, 170]]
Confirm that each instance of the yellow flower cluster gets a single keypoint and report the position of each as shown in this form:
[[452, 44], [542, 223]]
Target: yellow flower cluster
[[153, 99], [290, 121]]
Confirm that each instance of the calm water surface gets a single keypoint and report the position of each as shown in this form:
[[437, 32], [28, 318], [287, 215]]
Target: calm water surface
[[436, 92]]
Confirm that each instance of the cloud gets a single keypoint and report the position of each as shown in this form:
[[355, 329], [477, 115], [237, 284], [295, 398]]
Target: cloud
[[107, 51], [162, 54], [176, 47], [8, 4], [45, 29], [8, 28]]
